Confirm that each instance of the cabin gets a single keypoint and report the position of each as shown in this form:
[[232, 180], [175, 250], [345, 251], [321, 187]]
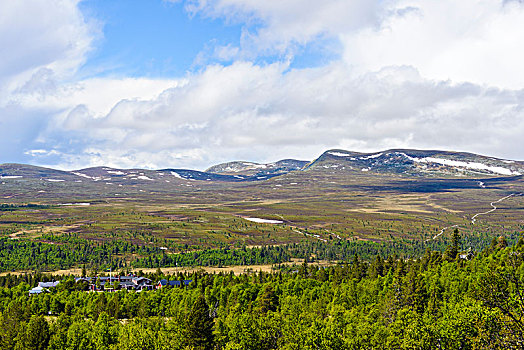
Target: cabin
[[43, 287]]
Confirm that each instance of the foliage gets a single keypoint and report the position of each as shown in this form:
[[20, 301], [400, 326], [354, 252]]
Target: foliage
[[200, 325], [430, 302], [65, 251]]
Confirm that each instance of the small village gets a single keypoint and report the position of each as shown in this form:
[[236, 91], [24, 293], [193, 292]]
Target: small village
[[113, 284]]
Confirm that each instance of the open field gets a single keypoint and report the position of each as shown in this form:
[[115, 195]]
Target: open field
[[236, 269]]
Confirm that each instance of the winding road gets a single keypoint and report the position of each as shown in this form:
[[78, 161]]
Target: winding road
[[474, 217], [310, 235], [442, 231]]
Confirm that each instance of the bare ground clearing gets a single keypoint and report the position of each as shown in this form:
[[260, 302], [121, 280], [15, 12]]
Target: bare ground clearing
[[209, 269], [45, 229]]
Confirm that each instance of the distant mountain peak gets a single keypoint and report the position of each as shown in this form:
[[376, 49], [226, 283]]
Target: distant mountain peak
[[252, 168], [418, 162]]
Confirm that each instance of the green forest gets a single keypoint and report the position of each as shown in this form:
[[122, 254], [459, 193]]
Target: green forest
[[441, 300], [69, 250]]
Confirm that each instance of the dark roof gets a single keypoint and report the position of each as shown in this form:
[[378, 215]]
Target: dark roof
[[82, 279], [112, 278], [164, 282]]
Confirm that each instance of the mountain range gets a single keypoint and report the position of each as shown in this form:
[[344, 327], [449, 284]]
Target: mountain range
[[404, 162]]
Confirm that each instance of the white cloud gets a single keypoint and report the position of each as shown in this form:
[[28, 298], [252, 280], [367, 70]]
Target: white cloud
[[45, 43], [470, 41], [465, 41], [41, 152], [41, 34], [414, 73], [277, 26], [98, 95], [266, 113]]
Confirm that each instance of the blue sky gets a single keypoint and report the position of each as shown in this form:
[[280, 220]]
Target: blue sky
[[192, 83], [160, 39], [151, 38]]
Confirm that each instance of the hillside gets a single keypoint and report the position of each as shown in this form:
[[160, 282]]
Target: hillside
[[418, 163], [257, 169]]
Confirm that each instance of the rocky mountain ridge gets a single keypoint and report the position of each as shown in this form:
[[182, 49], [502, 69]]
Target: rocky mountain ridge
[[408, 162], [418, 163]]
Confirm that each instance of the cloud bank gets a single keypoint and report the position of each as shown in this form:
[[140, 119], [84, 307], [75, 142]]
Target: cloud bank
[[421, 74]]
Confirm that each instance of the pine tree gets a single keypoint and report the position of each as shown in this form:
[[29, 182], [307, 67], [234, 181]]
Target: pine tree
[[377, 267], [200, 326], [268, 300], [453, 249], [37, 334], [455, 239], [11, 320]]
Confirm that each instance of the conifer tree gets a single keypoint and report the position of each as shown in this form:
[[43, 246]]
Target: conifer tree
[[11, 320], [200, 325], [268, 300], [453, 249], [36, 334]]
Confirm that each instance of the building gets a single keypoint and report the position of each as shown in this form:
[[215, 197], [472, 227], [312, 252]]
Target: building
[[107, 284], [43, 287]]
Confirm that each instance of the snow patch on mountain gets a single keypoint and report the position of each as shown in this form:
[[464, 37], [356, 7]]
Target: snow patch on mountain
[[242, 166], [143, 177], [116, 172], [468, 165], [256, 165], [83, 175], [81, 204], [338, 154], [177, 175], [462, 164], [372, 156]]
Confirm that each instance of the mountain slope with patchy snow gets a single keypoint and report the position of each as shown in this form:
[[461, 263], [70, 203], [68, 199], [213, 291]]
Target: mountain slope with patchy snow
[[252, 169], [418, 162]]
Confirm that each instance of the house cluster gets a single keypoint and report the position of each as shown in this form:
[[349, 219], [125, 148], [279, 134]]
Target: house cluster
[[130, 282], [109, 284]]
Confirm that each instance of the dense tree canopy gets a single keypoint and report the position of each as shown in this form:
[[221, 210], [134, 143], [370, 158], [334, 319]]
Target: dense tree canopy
[[435, 301]]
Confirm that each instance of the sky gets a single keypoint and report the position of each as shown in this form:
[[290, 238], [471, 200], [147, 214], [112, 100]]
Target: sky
[[193, 83]]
